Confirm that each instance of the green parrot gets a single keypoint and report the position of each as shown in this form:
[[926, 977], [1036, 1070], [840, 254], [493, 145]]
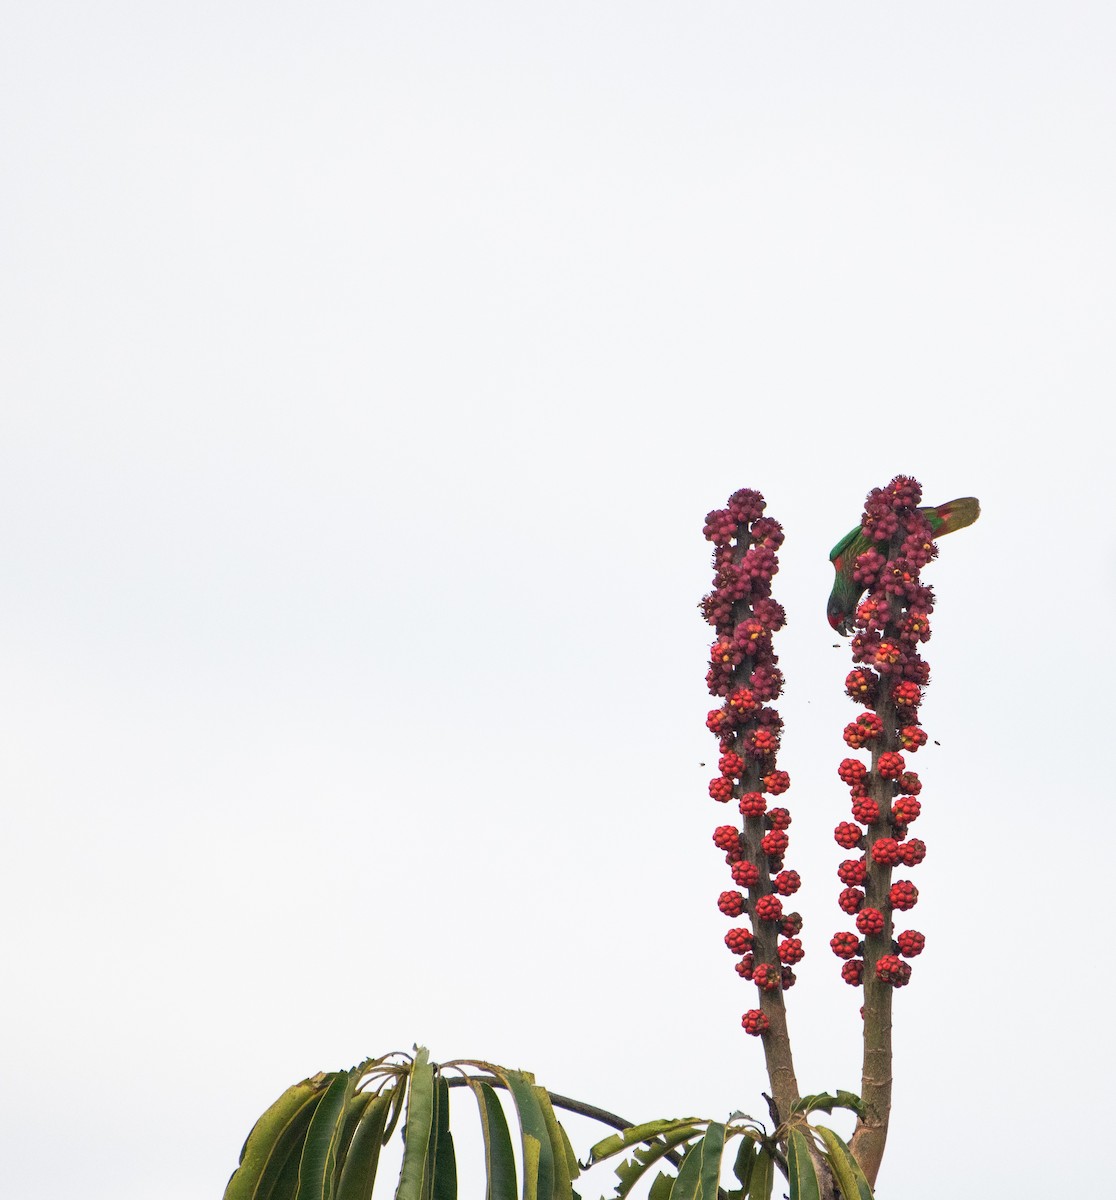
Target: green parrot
[[845, 597]]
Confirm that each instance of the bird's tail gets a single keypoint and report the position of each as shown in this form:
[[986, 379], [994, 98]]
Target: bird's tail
[[957, 514]]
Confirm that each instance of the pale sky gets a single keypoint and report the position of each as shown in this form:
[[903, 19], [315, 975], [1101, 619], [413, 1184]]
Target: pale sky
[[367, 373]]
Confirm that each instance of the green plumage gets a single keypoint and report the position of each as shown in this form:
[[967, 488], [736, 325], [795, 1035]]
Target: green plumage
[[843, 600]]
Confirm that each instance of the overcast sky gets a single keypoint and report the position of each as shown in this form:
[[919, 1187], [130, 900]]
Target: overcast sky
[[368, 371]]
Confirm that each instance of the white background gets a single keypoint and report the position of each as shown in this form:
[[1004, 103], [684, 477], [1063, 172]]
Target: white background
[[368, 371]]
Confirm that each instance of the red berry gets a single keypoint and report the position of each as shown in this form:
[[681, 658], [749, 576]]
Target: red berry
[[754, 1022], [855, 736], [852, 871], [739, 941], [778, 818], [907, 696], [885, 851], [742, 701], [852, 972], [776, 782], [913, 852], [890, 765], [721, 789], [911, 737], [791, 925], [851, 900], [775, 843], [761, 743], [848, 835], [745, 873], [787, 978], [851, 770], [731, 764], [767, 978], [862, 686], [911, 943], [717, 721], [752, 804], [790, 951], [731, 903], [892, 969], [910, 782], [905, 810], [769, 908], [726, 837], [786, 883], [845, 944], [903, 895], [870, 920], [866, 810], [746, 966]]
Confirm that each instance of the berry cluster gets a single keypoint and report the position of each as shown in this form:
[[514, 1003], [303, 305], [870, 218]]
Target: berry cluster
[[743, 672], [888, 680]]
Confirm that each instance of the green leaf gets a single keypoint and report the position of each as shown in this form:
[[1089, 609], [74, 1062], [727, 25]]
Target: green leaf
[[639, 1133], [443, 1184], [278, 1132], [632, 1170], [850, 1100], [416, 1138], [846, 1170], [354, 1111], [319, 1151], [660, 1187], [763, 1177], [398, 1094], [745, 1160], [688, 1180], [712, 1147], [538, 1160], [824, 1102], [499, 1159], [565, 1163], [359, 1172], [801, 1173]]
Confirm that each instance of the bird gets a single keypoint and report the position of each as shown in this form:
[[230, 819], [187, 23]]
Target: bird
[[843, 600]]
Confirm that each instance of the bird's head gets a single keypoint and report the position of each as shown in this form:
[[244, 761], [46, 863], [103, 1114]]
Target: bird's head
[[839, 618]]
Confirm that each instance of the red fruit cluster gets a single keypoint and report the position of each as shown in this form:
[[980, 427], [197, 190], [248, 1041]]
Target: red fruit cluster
[[786, 883], [769, 908], [767, 977], [790, 951], [726, 837], [754, 1022], [892, 969], [743, 672], [910, 943], [889, 677], [739, 941], [844, 944], [745, 873]]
